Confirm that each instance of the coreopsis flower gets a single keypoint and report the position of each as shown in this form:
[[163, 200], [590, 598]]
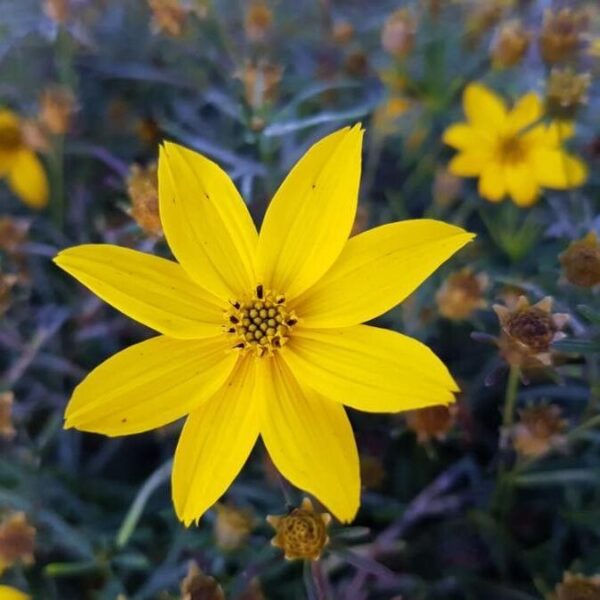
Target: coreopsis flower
[[232, 526], [399, 33], [142, 188], [581, 261], [577, 587], [433, 422], [562, 34], [510, 44], [57, 106], [17, 538], [261, 334], [539, 430], [511, 151], [461, 294], [10, 593], [566, 92], [258, 21], [302, 533], [7, 429], [20, 166], [528, 332], [198, 586]]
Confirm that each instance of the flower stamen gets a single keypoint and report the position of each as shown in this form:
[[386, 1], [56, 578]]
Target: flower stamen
[[260, 324]]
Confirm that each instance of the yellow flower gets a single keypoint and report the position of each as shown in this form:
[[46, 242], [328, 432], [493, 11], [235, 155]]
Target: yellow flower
[[261, 334], [11, 593], [511, 151], [19, 164]]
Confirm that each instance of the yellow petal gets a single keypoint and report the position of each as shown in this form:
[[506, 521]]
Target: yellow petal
[[521, 184], [215, 442], [151, 290], [492, 182], [558, 169], [27, 178], [526, 112], [206, 222], [469, 163], [311, 215], [377, 270], [149, 385], [484, 108], [11, 593], [462, 136], [309, 440], [369, 369]]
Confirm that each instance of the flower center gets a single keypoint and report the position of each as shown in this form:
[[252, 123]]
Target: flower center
[[261, 323], [512, 149], [10, 138]]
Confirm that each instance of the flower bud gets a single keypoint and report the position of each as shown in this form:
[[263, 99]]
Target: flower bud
[[581, 261], [510, 44]]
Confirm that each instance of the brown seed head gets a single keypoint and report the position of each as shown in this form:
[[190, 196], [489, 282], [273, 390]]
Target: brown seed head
[[7, 430], [577, 587], [198, 586], [581, 261], [462, 294], [561, 35], [258, 21], [539, 429], [232, 526], [510, 44], [399, 33], [301, 534], [17, 539], [433, 422], [142, 188]]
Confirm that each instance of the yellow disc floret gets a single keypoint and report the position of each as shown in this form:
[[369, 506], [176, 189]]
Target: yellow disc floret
[[261, 323]]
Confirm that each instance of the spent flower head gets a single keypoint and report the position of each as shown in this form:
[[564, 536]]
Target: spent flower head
[[528, 332], [562, 34], [575, 586], [17, 540], [431, 423], [510, 44], [142, 188], [581, 261], [232, 526], [302, 533], [258, 333], [57, 107], [511, 152], [539, 429], [7, 429], [198, 586], [461, 294]]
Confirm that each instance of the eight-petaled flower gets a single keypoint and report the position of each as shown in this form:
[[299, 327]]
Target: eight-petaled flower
[[261, 334], [512, 152]]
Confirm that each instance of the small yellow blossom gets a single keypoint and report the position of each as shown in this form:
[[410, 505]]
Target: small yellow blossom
[[198, 586], [433, 422], [581, 261], [19, 164], [261, 333], [462, 294], [539, 430], [17, 539], [232, 526], [11, 593], [577, 587], [528, 331], [511, 151], [301, 534]]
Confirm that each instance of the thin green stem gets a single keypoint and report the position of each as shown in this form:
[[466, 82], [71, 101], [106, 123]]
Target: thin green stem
[[510, 397]]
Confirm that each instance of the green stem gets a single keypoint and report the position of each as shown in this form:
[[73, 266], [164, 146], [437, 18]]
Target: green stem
[[510, 398]]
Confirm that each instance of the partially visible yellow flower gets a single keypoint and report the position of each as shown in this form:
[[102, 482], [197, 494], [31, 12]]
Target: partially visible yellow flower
[[511, 151], [301, 534], [11, 593], [19, 164], [261, 333]]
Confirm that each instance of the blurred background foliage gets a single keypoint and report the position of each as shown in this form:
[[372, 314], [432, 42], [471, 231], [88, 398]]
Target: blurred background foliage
[[495, 498]]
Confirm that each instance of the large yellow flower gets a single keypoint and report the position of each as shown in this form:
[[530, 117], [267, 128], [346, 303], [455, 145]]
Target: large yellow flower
[[11, 593], [261, 334], [19, 164], [511, 151]]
